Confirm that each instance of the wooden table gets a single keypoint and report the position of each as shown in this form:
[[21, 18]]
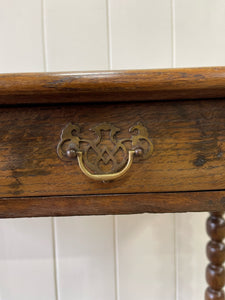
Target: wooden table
[[156, 144]]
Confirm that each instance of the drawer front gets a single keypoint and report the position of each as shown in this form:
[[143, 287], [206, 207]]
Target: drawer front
[[188, 139]]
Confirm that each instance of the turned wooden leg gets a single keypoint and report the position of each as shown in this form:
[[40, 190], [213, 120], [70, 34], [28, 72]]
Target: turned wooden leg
[[215, 272]]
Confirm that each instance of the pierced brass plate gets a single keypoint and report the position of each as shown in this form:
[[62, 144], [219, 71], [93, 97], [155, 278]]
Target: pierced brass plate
[[105, 157]]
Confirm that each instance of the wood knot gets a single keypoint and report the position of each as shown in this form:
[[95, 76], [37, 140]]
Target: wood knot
[[200, 161]]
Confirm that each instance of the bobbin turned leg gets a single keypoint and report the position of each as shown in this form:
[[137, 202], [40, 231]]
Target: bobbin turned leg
[[215, 272]]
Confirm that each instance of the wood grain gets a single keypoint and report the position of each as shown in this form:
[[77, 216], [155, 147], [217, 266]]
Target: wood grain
[[188, 139], [108, 86], [110, 204]]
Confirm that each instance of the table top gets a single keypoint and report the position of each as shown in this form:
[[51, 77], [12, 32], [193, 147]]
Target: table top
[[112, 86]]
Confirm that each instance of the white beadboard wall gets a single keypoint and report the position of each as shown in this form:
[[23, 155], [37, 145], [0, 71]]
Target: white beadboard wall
[[107, 258]]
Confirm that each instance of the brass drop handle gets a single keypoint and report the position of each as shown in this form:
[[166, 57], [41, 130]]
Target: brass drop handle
[[105, 177], [70, 148]]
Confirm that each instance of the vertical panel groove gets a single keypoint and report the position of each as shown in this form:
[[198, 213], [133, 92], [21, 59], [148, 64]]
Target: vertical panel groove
[[116, 258], [115, 229], [173, 33], [54, 238], [44, 38], [55, 254], [44, 43], [176, 273], [108, 18], [173, 61]]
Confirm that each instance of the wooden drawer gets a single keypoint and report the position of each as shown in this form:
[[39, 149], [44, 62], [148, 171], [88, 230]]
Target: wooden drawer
[[183, 112], [188, 155]]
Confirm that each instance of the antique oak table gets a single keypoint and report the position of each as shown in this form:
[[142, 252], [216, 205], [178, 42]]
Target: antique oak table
[[156, 145]]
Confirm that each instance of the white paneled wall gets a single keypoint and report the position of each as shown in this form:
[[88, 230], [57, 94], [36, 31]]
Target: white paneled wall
[[199, 30], [27, 265], [140, 33], [106, 258], [27, 260], [85, 258], [76, 35], [21, 27]]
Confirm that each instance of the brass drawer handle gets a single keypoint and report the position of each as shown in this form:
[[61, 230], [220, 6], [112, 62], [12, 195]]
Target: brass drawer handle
[[104, 158], [105, 177]]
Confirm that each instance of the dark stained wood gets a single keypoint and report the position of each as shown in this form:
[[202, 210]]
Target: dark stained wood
[[184, 174], [110, 204], [108, 86], [215, 272], [188, 139]]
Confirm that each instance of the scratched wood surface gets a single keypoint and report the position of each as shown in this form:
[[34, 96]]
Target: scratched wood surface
[[188, 139]]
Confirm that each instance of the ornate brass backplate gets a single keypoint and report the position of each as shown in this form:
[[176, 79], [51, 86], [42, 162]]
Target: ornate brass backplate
[[105, 157]]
